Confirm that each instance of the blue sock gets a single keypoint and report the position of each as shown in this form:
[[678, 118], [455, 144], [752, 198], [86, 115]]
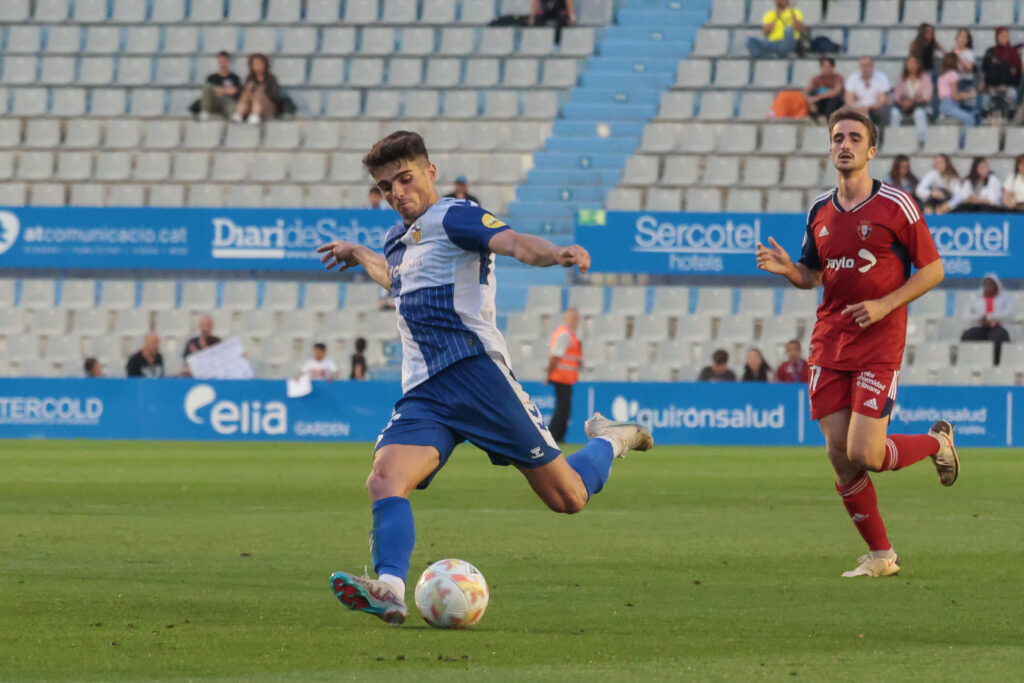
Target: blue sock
[[593, 463], [393, 536]]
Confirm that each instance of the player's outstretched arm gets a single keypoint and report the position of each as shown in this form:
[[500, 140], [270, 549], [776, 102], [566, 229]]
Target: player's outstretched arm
[[775, 259], [868, 313], [340, 252], [537, 251]]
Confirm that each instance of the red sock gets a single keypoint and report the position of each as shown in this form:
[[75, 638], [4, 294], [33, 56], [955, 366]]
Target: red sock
[[862, 504], [903, 450]]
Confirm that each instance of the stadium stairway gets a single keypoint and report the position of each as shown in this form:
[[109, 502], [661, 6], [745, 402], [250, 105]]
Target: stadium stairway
[[600, 126]]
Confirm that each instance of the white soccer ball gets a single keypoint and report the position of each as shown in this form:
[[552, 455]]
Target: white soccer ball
[[452, 594]]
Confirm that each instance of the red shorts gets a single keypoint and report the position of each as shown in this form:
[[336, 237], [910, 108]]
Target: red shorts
[[868, 392]]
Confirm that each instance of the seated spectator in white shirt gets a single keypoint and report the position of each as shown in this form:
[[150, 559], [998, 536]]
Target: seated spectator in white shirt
[[980, 191], [1013, 188], [867, 91], [938, 185], [319, 366]]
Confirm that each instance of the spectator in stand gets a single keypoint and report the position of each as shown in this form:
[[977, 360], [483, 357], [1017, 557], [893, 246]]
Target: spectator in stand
[[924, 47], [93, 368], [375, 199], [204, 340], [782, 28], [938, 185], [461, 190], [912, 98], [555, 13], [756, 370], [719, 370], [221, 90], [867, 91], [1013, 188], [320, 367], [147, 361], [824, 94], [980, 191], [795, 369], [901, 176], [1001, 76], [964, 51], [990, 308], [261, 94], [359, 360], [954, 101]]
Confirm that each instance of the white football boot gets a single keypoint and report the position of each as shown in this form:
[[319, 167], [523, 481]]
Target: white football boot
[[876, 563], [947, 462], [363, 594], [625, 436]]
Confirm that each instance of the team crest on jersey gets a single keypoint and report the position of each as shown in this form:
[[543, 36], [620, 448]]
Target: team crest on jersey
[[417, 233], [864, 230], [491, 222]]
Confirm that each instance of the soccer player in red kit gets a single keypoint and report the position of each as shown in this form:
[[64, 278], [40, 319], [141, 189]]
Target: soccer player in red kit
[[862, 238]]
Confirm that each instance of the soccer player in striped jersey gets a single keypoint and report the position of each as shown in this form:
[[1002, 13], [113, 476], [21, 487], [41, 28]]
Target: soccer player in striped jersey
[[457, 382], [862, 238]]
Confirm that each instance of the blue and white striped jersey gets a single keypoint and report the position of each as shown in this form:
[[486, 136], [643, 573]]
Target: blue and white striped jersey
[[442, 281]]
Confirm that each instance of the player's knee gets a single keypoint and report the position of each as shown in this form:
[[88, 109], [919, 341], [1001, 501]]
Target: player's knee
[[865, 458], [567, 502], [380, 484]]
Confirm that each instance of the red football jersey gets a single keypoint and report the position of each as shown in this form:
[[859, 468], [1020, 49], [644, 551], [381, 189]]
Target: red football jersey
[[863, 254]]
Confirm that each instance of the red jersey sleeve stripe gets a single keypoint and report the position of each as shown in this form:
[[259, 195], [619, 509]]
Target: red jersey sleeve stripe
[[905, 202]]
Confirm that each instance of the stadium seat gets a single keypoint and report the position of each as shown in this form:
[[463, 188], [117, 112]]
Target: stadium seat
[[778, 329], [744, 201], [715, 301], [761, 172], [114, 166], [711, 42], [125, 195], [694, 73], [77, 294], [732, 73], [704, 200], [42, 133], [701, 138], [975, 354], [587, 300], [721, 171], [198, 295], [996, 12], [677, 105], [641, 170], [158, 295], [684, 170], [663, 199], [11, 194], [772, 74], [628, 300], [785, 201], [933, 355], [717, 106], [544, 299], [167, 195]]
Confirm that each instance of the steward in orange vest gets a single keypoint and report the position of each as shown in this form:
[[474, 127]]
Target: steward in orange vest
[[564, 370]]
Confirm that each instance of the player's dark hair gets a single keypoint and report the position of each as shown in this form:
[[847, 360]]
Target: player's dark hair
[[974, 177], [360, 344], [320, 346], [376, 190], [831, 61], [849, 114], [720, 357], [402, 145], [90, 363], [224, 53], [793, 341]]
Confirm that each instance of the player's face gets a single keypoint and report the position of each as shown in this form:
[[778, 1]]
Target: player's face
[[867, 67], [318, 353], [851, 150], [408, 186]]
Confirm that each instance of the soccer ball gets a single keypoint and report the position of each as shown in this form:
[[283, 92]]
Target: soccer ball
[[452, 594]]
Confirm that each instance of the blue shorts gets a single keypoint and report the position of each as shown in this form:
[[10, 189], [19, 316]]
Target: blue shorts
[[477, 400]]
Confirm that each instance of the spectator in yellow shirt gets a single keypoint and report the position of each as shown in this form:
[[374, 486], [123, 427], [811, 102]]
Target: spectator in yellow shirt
[[782, 27]]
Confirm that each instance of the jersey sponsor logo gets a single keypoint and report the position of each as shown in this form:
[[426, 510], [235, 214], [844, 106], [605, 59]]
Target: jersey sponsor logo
[[491, 222], [869, 257], [10, 226], [864, 230], [823, 232], [871, 403], [231, 417], [847, 262]]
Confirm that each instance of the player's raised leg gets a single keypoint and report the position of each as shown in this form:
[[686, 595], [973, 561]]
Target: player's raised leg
[[566, 483], [397, 470]]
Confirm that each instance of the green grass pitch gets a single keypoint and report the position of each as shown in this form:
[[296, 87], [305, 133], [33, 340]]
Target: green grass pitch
[[185, 561]]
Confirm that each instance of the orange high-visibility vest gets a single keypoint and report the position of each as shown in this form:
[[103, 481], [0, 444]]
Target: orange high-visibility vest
[[567, 367]]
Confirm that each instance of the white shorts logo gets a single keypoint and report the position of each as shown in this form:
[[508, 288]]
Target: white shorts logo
[[871, 403]]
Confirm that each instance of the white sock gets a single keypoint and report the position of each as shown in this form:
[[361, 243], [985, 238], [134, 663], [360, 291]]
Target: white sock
[[394, 583], [884, 554], [617, 447]]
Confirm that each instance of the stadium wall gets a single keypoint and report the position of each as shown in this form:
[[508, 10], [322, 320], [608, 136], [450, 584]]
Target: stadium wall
[[259, 410], [723, 244], [286, 239]]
